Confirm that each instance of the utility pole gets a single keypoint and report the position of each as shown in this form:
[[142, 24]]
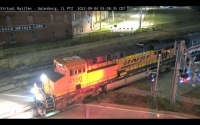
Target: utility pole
[[156, 81], [113, 16], [176, 72], [100, 20], [155, 89], [140, 21]]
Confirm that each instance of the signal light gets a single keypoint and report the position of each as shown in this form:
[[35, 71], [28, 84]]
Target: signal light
[[152, 77]]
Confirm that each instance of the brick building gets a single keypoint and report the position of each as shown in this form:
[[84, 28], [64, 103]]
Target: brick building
[[40, 26]]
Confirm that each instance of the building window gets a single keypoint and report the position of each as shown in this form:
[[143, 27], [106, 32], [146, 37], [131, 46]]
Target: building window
[[66, 33], [8, 20], [53, 35], [65, 18], [74, 16], [81, 28], [12, 37], [30, 19], [33, 35], [51, 18]]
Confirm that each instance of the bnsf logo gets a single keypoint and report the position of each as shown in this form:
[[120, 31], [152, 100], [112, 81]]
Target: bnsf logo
[[134, 60]]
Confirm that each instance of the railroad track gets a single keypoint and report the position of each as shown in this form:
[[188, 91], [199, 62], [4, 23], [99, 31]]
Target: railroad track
[[23, 70]]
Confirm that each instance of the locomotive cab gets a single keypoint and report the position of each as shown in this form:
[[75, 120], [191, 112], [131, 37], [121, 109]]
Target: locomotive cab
[[74, 69]]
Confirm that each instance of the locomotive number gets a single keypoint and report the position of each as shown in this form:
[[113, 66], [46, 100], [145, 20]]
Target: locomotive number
[[76, 79]]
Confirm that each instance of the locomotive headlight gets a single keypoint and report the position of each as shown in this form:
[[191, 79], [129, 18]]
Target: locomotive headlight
[[43, 78]]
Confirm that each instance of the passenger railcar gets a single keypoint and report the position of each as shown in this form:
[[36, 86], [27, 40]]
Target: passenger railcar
[[88, 74]]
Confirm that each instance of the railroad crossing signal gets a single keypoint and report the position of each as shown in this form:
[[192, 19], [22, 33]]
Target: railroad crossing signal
[[182, 55]]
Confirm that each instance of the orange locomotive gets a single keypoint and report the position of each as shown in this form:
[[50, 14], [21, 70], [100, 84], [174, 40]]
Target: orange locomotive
[[91, 73]]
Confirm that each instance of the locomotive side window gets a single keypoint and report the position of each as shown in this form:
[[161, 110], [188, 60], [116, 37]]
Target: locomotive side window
[[84, 69], [71, 72], [79, 71], [76, 71]]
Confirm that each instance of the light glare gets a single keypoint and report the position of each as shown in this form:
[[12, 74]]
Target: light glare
[[43, 78]]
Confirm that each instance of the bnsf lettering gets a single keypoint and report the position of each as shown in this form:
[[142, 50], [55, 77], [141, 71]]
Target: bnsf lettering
[[77, 79], [134, 60]]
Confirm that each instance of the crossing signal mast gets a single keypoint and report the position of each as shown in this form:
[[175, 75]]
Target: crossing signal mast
[[182, 57], [153, 76]]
